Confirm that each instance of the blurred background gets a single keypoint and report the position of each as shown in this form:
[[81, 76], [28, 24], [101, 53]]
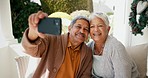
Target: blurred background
[[14, 20]]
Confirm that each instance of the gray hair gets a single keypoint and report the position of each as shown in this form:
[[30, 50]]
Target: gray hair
[[100, 15], [79, 18]]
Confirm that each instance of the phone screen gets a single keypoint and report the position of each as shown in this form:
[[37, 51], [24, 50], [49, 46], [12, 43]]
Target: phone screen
[[50, 26]]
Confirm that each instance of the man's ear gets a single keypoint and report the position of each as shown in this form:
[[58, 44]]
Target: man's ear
[[69, 27]]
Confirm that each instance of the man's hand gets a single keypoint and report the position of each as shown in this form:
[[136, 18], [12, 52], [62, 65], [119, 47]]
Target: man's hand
[[33, 21]]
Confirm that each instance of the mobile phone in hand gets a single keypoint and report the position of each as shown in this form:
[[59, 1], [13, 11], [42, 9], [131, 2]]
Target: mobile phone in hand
[[50, 26]]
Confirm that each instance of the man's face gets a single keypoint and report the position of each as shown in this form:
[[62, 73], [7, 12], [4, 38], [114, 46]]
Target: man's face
[[98, 30], [79, 31]]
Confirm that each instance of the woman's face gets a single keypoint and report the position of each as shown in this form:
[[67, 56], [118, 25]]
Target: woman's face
[[98, 30]]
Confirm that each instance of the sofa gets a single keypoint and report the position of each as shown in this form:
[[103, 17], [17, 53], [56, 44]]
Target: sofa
[[139, 55], [137, 52]]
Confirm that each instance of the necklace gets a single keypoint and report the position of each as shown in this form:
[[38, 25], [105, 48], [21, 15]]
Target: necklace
[[98, 51]]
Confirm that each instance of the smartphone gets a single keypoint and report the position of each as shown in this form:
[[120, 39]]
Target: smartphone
[[50, 26]]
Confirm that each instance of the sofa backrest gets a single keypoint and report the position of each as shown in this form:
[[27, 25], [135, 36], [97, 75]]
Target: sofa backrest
[[139, 55]]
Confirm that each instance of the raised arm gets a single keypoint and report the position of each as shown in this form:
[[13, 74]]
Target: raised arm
[[34, 42], [33, 21]]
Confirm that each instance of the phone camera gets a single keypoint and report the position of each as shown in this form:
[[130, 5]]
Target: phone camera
[[57, 22]]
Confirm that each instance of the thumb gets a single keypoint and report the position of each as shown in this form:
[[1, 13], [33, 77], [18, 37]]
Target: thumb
[[41, 35]]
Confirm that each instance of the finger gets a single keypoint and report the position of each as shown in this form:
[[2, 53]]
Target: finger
[[39, 15], [42, 14], [34, 19], [45, 14], [30, 20]]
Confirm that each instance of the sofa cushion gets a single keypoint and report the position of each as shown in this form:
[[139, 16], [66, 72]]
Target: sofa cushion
[[139, 55]]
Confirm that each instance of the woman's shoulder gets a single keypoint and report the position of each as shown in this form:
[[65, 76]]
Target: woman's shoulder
[[111, 40]]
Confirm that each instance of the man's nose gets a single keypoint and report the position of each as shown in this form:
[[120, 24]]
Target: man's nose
[[82, 30]]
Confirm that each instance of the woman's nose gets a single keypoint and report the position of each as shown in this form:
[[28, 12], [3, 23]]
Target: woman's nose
[[96, 28]]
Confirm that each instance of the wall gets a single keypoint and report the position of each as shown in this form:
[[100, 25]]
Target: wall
[[4, 67], [7, 63], [140, 39], [8, 67], [122, 30]]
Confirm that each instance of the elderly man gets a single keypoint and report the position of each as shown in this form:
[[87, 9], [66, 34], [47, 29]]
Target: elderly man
[[62, 56]]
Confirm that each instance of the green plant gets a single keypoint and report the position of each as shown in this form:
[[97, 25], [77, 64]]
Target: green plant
[[20, 11], [143, 20], [68, 6]]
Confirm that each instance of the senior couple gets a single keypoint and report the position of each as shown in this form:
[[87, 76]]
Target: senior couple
[[67, 56]]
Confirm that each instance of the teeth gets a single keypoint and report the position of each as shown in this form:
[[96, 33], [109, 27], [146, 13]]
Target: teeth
[[97, 34], [80, 35]]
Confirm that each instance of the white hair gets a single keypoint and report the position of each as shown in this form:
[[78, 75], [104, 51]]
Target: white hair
[[100, 15]]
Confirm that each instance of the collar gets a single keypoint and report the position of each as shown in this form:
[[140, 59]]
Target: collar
[[75, 47]]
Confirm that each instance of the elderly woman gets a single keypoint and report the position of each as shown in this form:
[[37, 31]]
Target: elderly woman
[[110, 59]]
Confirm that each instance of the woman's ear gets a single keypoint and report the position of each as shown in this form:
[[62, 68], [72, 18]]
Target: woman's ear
[[108, 28]]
